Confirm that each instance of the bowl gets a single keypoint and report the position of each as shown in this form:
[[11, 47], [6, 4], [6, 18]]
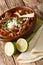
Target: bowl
[[22, 26]]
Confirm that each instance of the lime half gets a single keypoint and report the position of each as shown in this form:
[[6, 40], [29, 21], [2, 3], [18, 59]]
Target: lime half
[[21, 45], [10, 48]]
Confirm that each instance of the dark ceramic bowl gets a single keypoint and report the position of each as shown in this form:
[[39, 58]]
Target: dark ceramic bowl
[[10, 36]]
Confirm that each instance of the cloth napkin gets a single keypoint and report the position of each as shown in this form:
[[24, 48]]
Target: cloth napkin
[[35, 50]]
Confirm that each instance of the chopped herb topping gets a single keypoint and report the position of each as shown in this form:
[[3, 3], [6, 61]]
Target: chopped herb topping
[[5, 24], [19, 21], [11, 23]]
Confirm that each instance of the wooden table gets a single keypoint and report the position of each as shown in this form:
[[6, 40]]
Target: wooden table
[[5, 60]]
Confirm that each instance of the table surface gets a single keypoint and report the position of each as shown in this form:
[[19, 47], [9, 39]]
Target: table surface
[[5, 60]]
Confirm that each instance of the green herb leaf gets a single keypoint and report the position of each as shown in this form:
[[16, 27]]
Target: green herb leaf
[[4, 25], [19, 21]]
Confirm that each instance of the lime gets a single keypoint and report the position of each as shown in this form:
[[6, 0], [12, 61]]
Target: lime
[[10, 48], [21, 45]]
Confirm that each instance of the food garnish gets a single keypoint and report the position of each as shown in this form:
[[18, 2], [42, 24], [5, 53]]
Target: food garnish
[[21, 45], [10, 48]]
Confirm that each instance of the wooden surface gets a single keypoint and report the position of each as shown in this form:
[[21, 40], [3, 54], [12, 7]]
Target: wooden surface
[[5, 60]]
